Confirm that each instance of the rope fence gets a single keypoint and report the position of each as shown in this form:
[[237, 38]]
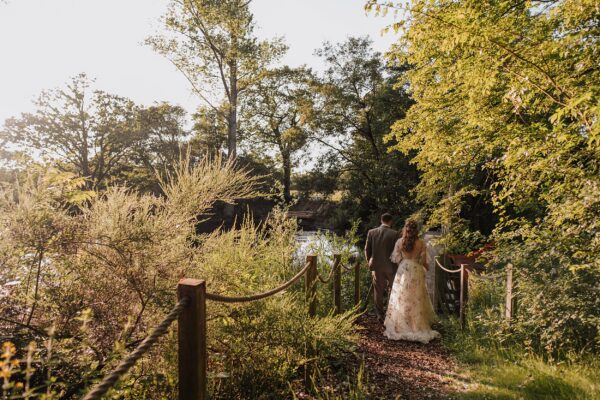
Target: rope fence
[[190, 311], [111, 379], [463, 288], [450, 271], [328, 279], [247, 299]]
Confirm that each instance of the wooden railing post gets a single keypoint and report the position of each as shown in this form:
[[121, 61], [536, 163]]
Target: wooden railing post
[[311, 299], [337, 283], [463, 295], [192, 341], [311, 289], [509, 294], [356, 283]]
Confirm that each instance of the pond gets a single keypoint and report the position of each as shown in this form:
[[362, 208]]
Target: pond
[[321, 241]]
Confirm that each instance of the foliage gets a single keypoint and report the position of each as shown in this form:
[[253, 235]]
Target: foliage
[[505, 114], [89, 135], [495, 366], [163, 142], [213, 45], [277, 115], [24, 387], [98, 270], [101, 137], [210, 131], [354, 387], [357, 105], [462, 239], [320, 181]]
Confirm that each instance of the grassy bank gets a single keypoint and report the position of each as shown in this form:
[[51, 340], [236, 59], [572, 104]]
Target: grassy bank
[[492, 371]]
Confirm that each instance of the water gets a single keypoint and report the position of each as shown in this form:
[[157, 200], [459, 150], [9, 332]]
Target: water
[[313, 242]]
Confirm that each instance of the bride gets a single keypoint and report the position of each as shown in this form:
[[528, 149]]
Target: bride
[[410, 314]]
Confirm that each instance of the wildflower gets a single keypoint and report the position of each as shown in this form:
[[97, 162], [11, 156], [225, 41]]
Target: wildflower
[[8, 350]]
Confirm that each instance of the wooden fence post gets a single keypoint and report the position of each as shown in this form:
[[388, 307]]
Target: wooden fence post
[[509, 293], [464, 285], [357, 283], [192, 341], [337, 283], [311, 299], [311, 289]]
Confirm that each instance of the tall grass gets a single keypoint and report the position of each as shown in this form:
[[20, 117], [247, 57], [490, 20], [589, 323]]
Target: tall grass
[[114, 261], [354, 385], [495, 364]]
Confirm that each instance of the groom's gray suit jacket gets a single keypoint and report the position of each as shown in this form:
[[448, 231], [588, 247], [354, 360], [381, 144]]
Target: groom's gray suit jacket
[[380, 245]]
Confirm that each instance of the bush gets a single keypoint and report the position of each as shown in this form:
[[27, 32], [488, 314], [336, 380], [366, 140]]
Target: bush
[[98, 270], [495, 366]]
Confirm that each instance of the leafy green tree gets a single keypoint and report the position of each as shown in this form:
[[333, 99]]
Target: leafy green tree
[[163, 142], [89, 134], [213, 44], [209, 130], [509, 90], [100, 137], [358, 103], [277, 114]]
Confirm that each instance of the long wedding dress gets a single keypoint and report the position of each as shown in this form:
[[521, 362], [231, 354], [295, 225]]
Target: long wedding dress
[[409, 314]]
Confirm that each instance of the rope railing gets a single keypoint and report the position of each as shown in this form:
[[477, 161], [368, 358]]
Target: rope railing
[[192, 318], [328, 279], [462, 289], [451, 271], [111, 379], [467, 273], [246, 299], [348, 267]]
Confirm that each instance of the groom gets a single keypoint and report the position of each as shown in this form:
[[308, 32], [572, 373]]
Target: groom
[[378, 249]]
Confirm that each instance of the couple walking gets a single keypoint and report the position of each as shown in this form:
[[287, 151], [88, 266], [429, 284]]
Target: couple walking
[[398, 263]]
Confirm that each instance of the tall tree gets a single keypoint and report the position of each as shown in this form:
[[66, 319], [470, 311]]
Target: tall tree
[[277, 114], [213, 44], [210, 131], [89, 134], [357, 104], [353, 75], [509, 89], [163, 142]]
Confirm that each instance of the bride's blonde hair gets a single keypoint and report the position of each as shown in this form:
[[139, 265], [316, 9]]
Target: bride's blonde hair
[[410, 234]]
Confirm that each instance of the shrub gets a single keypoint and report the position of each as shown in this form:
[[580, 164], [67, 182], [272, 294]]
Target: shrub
[[99, 269]]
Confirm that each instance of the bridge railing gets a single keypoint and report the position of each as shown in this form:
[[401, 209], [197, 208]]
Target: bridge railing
[[190, 313], [463, 290]]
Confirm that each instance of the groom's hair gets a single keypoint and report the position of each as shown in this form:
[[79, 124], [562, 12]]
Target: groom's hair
[[387, 218]]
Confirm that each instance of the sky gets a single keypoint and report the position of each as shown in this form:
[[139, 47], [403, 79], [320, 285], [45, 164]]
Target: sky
[[45, 42]]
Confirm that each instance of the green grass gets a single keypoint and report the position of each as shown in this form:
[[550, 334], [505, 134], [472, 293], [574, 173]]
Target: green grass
[[490, 371]]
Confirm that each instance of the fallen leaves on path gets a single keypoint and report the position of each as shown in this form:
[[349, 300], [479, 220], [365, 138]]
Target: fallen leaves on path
[[401, 369]]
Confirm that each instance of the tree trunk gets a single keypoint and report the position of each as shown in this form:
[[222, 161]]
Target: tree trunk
[[287, 176], [85, 162], [370, 137], [232, 117]]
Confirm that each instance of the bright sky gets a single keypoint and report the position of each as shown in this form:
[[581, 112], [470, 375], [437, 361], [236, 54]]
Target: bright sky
[[45, 42]]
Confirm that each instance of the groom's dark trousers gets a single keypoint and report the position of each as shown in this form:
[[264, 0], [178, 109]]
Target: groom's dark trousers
[[378, 249]]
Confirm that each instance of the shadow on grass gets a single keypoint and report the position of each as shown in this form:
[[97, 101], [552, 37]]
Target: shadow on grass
[[507, 383], [494, 372]]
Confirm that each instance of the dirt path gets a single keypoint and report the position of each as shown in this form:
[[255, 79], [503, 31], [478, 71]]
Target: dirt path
[[404, 370]]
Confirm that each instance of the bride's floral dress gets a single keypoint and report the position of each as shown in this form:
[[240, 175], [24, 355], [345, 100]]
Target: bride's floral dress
[[410, 313]]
